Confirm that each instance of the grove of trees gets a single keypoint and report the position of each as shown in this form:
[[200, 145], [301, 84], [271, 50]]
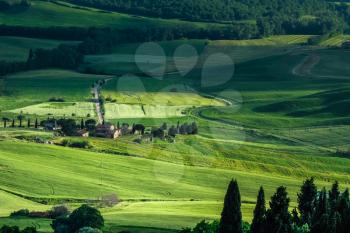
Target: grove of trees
[[317, 212]]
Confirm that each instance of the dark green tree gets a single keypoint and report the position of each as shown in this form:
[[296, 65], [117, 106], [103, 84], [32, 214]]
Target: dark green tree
[[259, 220], [278, 219], [85, 216], [5, 120], [321, 217], [20, 118], [36, 123], [344, 212], [28, 123], [334, 195], [231, 216], [82, 125], [13, 123], [306, 200]]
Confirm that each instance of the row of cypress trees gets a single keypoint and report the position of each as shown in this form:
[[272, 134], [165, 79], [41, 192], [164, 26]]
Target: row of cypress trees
[[317, 211]]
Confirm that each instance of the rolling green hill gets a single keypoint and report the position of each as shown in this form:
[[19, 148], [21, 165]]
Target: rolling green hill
[[174, 195], [47, 14], [17, 48]]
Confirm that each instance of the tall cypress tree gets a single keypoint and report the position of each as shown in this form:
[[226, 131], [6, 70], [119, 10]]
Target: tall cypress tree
[[307, 200], [344, 212], [278, 219], [334, 195], [82, 125], [231, 216], [321, 217], [36, 123], [259, 220]]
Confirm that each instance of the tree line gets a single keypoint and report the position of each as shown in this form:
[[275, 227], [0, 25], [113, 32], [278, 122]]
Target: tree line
[[273, 16], [317, 212]]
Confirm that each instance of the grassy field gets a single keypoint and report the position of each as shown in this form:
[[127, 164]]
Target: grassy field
[[30, 92], [17, 48], [185, 193], [281, 128], [46, 14]]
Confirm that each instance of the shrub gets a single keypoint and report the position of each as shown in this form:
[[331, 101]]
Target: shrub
[[59, 211], [89, 230], [20, 213], [8, 229], [76, 144], [29, 230], [56, 99], [40, 214]]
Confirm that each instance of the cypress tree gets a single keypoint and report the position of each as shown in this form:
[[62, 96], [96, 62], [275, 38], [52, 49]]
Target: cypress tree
[[320, 223], [36, 123], [82, 125], [259, 219], [344, 208], [13, 123], [278, 219], [306, 200], [231, 216], [28, 123], [334, 195]]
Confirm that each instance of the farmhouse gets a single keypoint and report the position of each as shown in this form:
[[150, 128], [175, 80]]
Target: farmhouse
[[107, 131], [83, 133]]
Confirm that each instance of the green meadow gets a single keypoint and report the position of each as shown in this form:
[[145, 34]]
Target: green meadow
[[270, 125], [17, 48]]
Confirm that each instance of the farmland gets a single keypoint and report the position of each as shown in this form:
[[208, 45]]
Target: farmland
[[275, 121], [17, 48]]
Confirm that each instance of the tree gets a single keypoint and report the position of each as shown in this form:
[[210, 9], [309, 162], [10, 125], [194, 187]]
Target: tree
[[231, 216], [334, 195], [13, 123], [9, 229], [60, 225], [69, 126], [20, 118], [28, 123], [90, 124], [278, 219], [5, 120], [36, 123], [259, 220], [85, 216], [59, 211], [320, 222], [344, 212], [82, 125], [306, 200]]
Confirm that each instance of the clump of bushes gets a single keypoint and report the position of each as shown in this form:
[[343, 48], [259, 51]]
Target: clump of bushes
[[76, 144], [15, 229], [55, 212], [56, 99], [20, 213]]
